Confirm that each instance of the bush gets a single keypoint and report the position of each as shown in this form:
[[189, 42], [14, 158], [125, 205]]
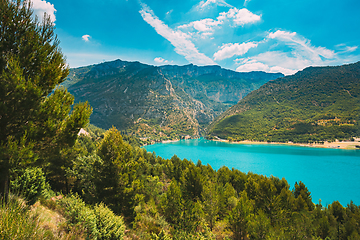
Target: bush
[[80, 216], [97, 223], [31, 184], [108, 224]]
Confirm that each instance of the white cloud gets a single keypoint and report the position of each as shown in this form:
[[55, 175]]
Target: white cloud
[[203, 25], [40, 7], [160, 60], [240, 17], [292, 52], [346, 49], [181, 41], [274, 61], [252, 64], [302, 45], [288, 60], [86, 38], [209, 3], [231, 49], [285, 71], [249, 65], [206, 27]]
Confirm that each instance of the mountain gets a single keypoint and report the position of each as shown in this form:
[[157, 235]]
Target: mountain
[[314, 105], [165, 101]]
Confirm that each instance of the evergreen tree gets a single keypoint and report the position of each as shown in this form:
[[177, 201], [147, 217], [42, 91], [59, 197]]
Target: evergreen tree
[[32, 118], [210, 204], [116, 175], [240, 216]]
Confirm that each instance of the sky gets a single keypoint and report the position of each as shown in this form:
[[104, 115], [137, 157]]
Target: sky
[[242, 35]]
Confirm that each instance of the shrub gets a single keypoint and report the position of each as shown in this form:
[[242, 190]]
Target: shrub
[[31, 184], [108, 224], [80, 216]]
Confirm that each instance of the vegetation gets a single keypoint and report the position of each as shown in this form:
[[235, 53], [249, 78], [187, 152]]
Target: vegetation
[[118, 187], [315, 105], [99, 186], [36, 127]]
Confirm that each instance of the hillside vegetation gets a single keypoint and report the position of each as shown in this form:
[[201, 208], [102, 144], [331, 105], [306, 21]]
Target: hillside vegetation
[[119, 191], [314, 105], [165, 102]]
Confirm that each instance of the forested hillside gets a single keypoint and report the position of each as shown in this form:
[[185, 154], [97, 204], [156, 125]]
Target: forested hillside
[[160, 102], [113, 186], [314, 105]]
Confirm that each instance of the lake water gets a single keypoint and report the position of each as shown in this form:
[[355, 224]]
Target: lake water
[[329, 174]]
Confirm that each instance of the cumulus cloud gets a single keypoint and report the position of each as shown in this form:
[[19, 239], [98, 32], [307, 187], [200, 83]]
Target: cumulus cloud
[[253, 64], [273, 61], [160, 60], [249, 65], [209, 3], [240, 17], [86, 38], [40, 7], [206, 27], [231, 49], [181, 41]]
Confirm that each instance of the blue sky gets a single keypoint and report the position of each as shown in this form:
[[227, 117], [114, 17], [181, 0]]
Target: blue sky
[[243, 35]]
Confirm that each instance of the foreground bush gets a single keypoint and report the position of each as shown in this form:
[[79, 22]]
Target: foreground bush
[[110, 226], [30, 185], [97, 222]]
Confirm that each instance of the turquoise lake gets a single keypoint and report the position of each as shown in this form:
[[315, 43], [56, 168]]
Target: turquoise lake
[[329, 174]]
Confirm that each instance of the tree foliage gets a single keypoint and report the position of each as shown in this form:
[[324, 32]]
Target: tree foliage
[[34, 118]]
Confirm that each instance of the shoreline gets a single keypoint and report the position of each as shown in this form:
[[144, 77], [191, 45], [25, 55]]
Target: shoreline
[[169, 141], [349, 145]]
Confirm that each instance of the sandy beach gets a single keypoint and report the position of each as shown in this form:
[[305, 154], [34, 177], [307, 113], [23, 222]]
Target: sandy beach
[[336, 144], [170, 141]]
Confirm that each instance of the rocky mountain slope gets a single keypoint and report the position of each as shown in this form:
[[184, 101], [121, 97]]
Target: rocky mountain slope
[[314, 105], [162, 102]]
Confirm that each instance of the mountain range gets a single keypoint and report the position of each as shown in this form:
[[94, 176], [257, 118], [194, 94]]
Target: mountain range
[[160, 102]]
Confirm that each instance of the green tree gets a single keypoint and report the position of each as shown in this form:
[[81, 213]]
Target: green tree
[[303, 197], [31, 118], [116, 174], [210, 204], [259, 226], [172, 204], [240, 216]]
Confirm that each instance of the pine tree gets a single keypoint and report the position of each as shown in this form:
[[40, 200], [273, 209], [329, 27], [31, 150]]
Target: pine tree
[[34, 118]]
